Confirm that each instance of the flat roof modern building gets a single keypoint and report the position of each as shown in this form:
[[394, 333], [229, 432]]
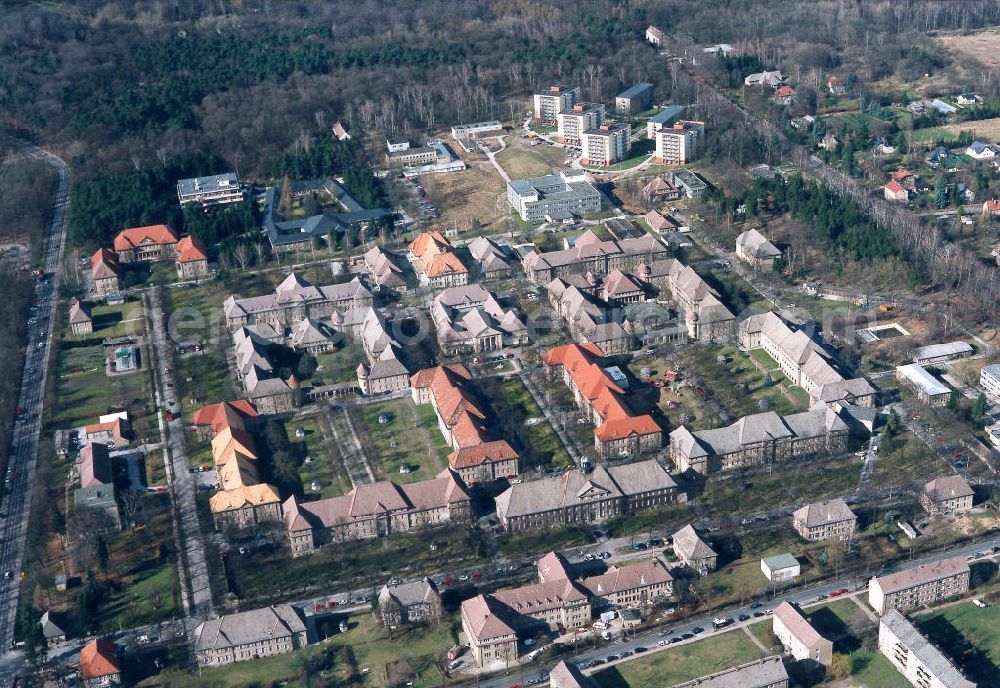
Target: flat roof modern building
[[215, 190], [553, 197], [634, 99]]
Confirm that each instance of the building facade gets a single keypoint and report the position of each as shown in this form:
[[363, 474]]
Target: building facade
[[801, 640], [554, 197], [219, 189], [827, 520], [947, 495], [634, 99], [146, 244], [572, 122], [922, 664], [606, 144], [556, 99], [678, 143], [250, 635], [104, 272], [192, 258], [919, 585]]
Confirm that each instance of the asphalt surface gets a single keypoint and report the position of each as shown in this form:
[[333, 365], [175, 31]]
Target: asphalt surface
[[16, 497]]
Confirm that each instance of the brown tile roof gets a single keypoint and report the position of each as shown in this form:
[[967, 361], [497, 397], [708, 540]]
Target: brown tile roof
[[98, 658], [139, 236], [483, 623], [224, 414], [540, 597], [94, 465], [250, 495], [618, 579], [924, 573], [947, 487], [114, 426], [478, 454]]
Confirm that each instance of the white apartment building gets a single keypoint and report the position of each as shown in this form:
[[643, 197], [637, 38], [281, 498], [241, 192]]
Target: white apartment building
[[678, 144], [800, 639], [989, 380], [607, 144], [572, 122], [914, 657], [550, 103]]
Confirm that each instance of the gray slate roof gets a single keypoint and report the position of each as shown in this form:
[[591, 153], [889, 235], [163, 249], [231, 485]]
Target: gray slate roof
[[256, 625]]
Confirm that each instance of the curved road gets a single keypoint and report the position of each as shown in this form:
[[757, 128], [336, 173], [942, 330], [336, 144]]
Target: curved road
[[15, 502]]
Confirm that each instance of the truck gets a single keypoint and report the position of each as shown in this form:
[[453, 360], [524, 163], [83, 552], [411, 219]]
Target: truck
[[718, 623]]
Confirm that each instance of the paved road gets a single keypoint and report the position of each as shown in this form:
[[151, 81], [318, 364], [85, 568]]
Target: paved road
[[195, 584], [16, 497]]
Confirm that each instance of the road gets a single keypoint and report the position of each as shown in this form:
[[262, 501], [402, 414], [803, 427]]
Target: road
[[196, 588], [667, 631], [15, 503]]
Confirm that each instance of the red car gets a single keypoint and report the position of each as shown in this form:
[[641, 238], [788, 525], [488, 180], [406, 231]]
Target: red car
[[476, 575], [448, 581], [332, 603], [318, 607]]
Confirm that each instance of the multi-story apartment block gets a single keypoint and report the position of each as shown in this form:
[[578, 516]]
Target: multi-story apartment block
[[761, 439], [768, 672], [804, 362], [922, 664], [619, 431], [554, 197], [948, 494], [989, 380], [494, 623], [244, 636], [591, 254], [634, 99], [663, 119], [465, 424], [678, 144], [216, 190], [376, 510], [575, 498], [556, 99], [104, 272], [146, 244], [573, 121], [606, 144], [827, 520], [294, 300], [801, 640], [919, 585]]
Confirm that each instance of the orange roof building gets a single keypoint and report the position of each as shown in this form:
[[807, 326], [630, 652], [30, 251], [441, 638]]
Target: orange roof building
[[190, 249], [143, 244], [429, 244], [464, 423], [104, 271], [434, 260], [619, 431], [99, 664]]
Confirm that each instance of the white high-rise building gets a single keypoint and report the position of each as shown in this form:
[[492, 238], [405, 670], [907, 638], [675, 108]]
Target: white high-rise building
[[550, 103], [607, 144], [574, 121], [678, 144]]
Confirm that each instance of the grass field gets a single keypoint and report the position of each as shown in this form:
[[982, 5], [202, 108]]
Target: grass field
[[339, 366], [985, 130], [414, 432], [682, 663], [979, 45], [122, 320], [951, 629], [321, 466], [540, 439], [521, 164], [85, 392]]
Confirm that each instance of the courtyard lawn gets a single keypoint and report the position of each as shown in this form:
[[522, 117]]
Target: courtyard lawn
[[538, 439], [953, 627], [323, 462], [408, 436], [684, 663], [85, 392], [762, 632], [122, 320], [339, 366], [764, 359]]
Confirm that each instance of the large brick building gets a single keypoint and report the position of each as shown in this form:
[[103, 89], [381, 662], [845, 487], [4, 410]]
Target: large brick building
[[294, 300], [827, 520], [919, 585], [947, 494], [146, 244]]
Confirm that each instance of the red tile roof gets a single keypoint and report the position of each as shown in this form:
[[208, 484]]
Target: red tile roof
[[476, 455], [190, 249], [139, 236], [426, 241], [222, 415], [104, 263], [784, 92], [894, 187], [444, 263], [98, 658]]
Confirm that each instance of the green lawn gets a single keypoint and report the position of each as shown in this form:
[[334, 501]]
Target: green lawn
[[871, 670], [122, 320], [764, 359], [522, 164], [683, 663], [540, 440], [339, 366], [952, 627], [323, 464], [84, 391], [411, 428]]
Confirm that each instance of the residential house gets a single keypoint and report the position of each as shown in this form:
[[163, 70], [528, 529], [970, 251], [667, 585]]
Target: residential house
[[634, 99], [619, 431], [909, 651], [754, 248], [493, 262], [895, 192], [678, 144], [591, 254], [554, 197], [574, 497], [830, 519], [574, 120], [192, 258], [606, 144], [828, 142], [835, 86], [991, 208], [803, 361], [376, 510], [567, 675], [294, 300], [110, 428], [219, 189], [104, 271], [929, 389], [978, 150], [769, 79], [920, 585], [801, 640], [408, 603], [340, 131], [762, 439], [694, 552], [768, 672], [434, 260], [244, 636], [80, 320], [659, 190], [470, 319], [465, 424], [146, 244], [948, 494], [556, 99], [659, 223], [784, 95], [100, 665], [492, 640], [51, 630], [780, 568], [655, 36]]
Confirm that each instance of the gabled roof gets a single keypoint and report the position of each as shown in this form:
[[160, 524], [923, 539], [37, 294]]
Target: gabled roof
[[894, 187], [947, 487], [79, 312], [445, 263], [144, 236], [98, 658], [190, 249], [94, 465], [104, 264], [691, 545], [429, 242]]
